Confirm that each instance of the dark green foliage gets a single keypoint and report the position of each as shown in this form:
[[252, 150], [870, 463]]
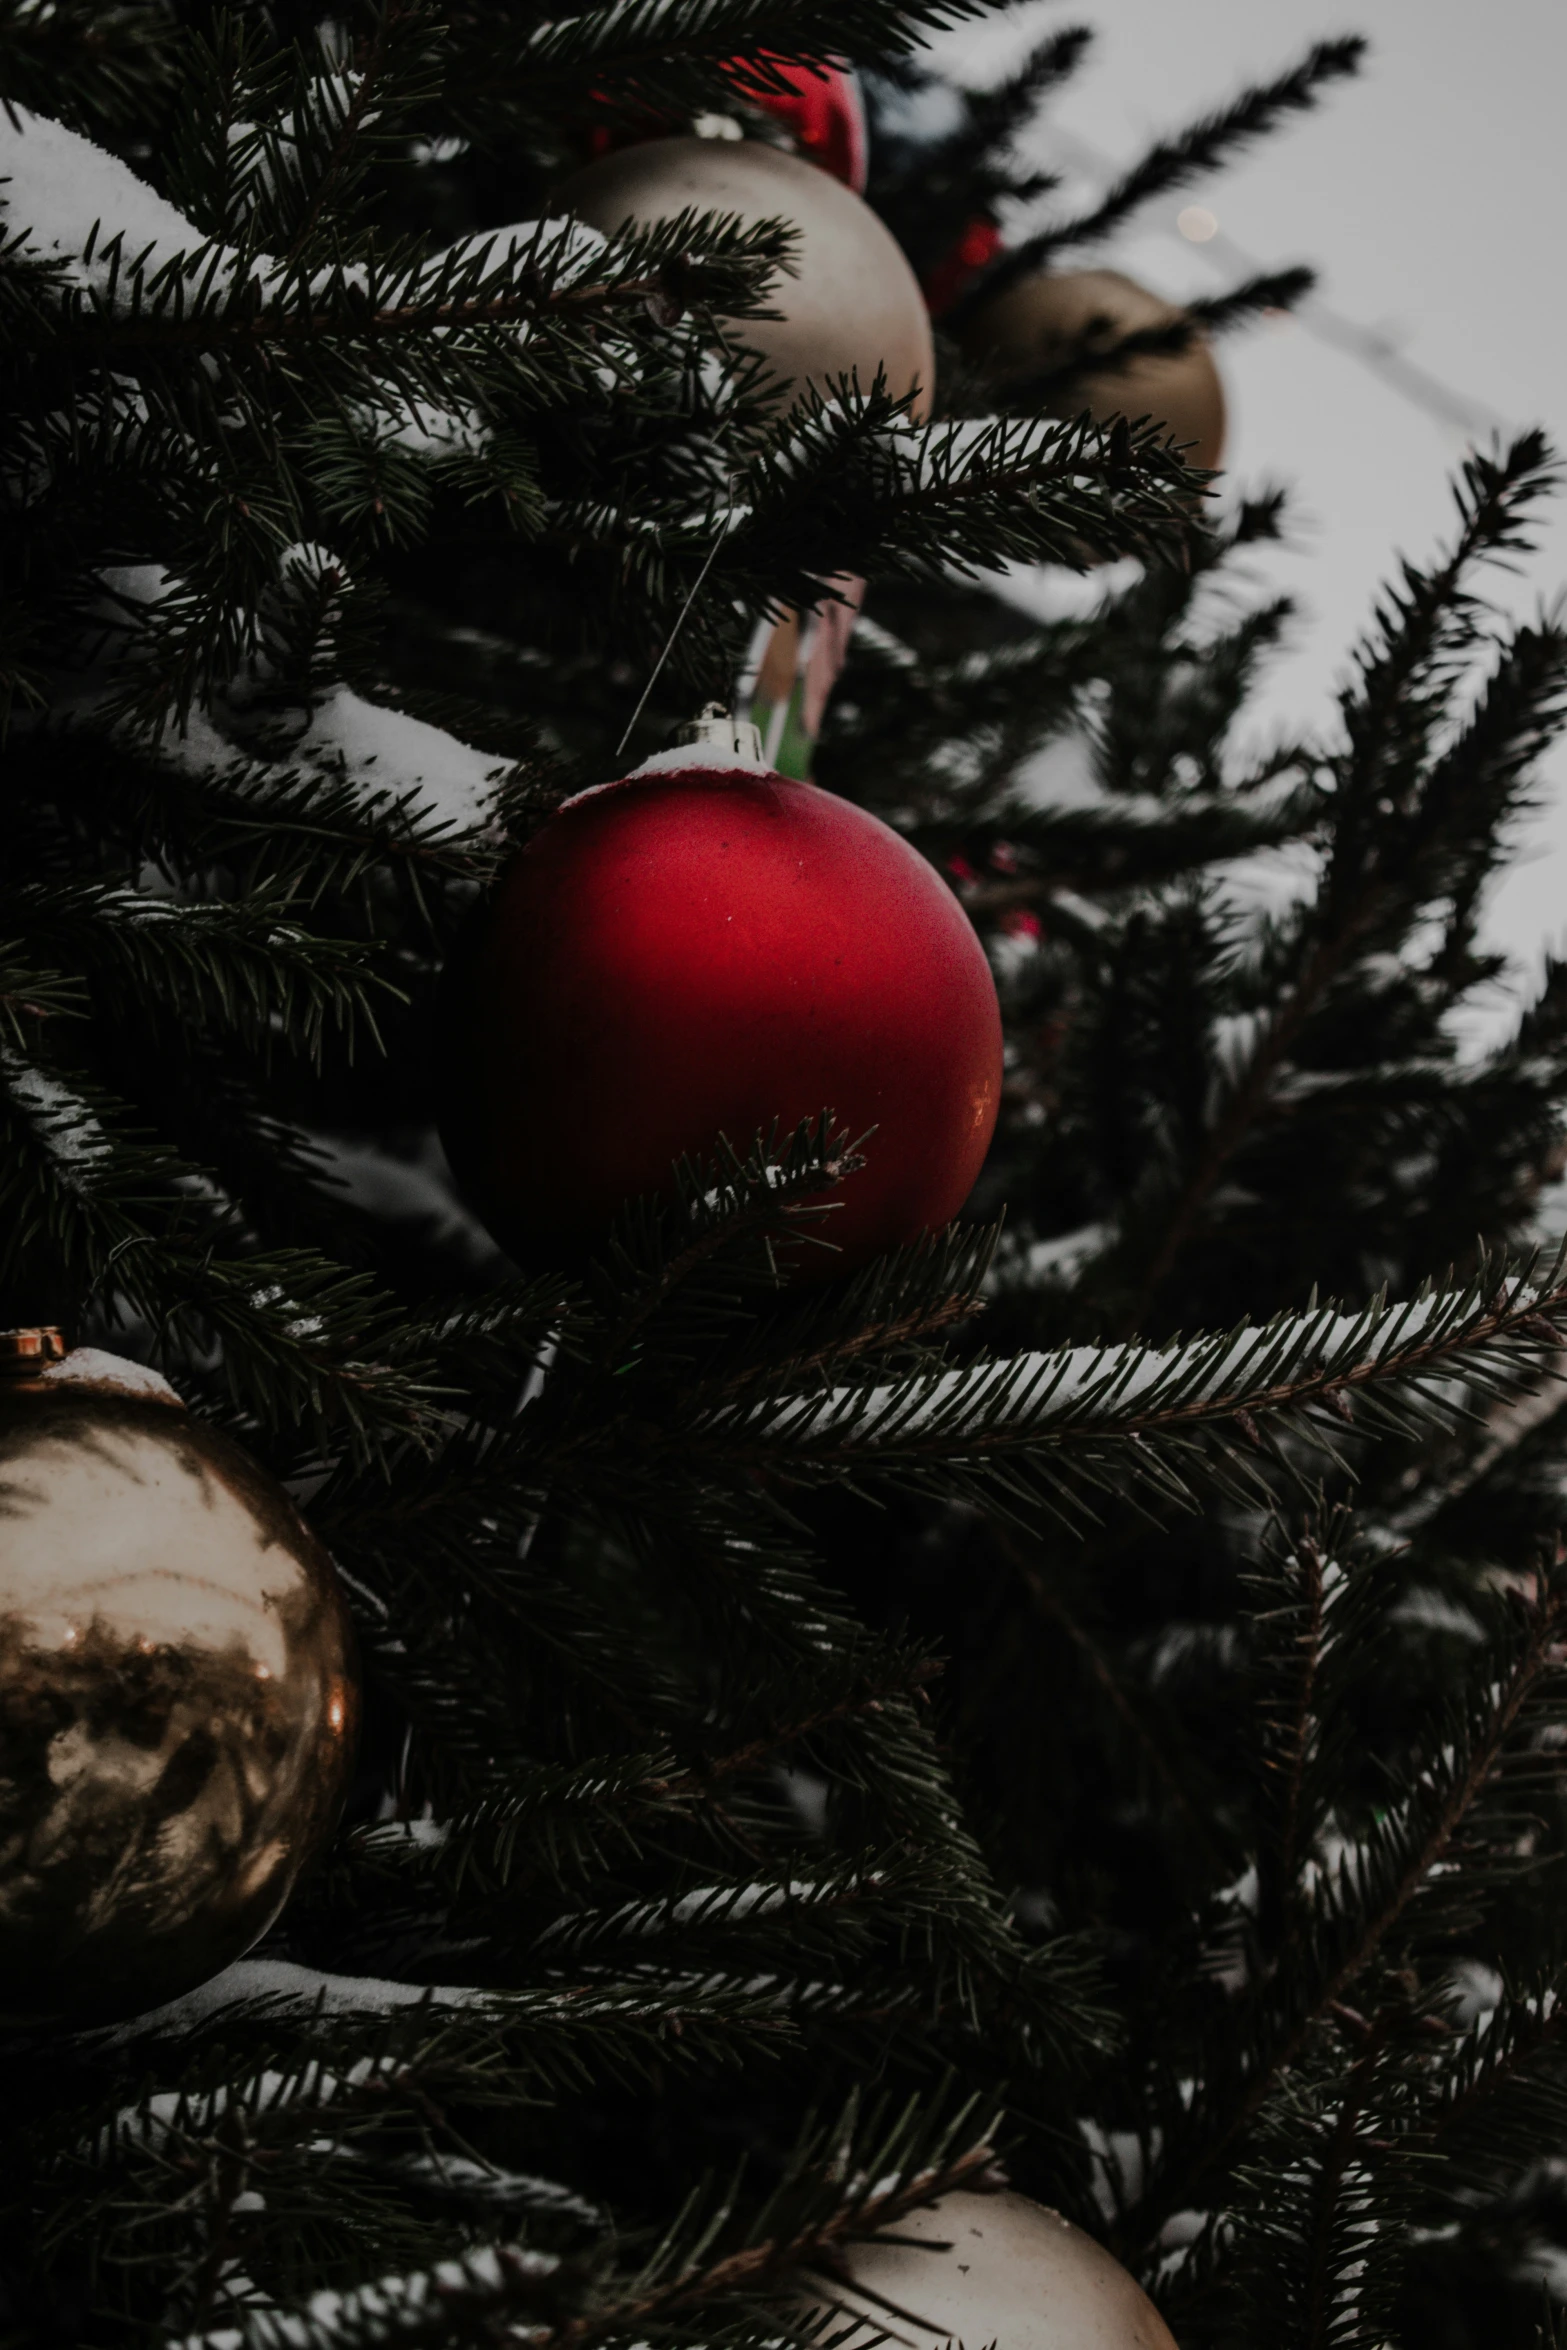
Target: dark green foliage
[[1172, 163], [1064, 1698]]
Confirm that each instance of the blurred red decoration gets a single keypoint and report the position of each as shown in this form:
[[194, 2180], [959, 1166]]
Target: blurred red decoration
[[824, 110], [705, 950], [974, 251]]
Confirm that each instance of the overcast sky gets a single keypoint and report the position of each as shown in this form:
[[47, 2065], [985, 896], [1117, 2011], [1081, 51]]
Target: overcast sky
[[1431, 195]]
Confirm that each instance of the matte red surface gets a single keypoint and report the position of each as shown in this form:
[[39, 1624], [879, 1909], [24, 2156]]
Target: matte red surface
[[827, 116], [823, 109], [702, 953]]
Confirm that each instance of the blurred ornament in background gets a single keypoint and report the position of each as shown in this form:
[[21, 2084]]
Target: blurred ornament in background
[[960, 264], [990, 2269], [821, 108], [825, 113], [178, 1698], [849, 302], [851, 306], [1049, 325], [721, 950], [794, 665]]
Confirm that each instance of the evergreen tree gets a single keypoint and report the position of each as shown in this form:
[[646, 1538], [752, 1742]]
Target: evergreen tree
[[1065, 1699]]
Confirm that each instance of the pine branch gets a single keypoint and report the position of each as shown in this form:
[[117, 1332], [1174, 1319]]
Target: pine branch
[[699, 2267], [1048, 1599], [690, 1252], [889, 1314], [1003, 108], [1095, 362], [334, 115], [29, 995], [1503, 2092], [1400, 823], [982, 493], [1272, 290], [518, 1829], [104, 68], [250, 970], [1320, 2240], [1392, 1893], [300, 1336], [1054, 1427], [628, 43], [1169, 164]]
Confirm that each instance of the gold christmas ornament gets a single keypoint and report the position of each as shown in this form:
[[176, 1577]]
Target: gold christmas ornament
[[852, 305], [1045, 321], [178, 1699], [996, 2269]]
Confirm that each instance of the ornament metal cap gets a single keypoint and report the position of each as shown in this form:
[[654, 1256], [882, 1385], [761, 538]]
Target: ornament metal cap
[[24, 1353], [725, 731]]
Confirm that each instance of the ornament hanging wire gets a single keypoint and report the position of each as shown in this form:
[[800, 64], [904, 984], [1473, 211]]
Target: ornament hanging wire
[[680, 620]]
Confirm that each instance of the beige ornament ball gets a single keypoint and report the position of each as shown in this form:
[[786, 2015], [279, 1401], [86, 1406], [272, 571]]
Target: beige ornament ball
[[1046, 320], [853, 303], [981, 2269]]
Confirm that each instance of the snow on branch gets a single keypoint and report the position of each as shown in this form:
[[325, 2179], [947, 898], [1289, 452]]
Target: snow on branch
[[1407, 1364], [390, 751], [420, 2307], [80, 209], [276, 1992]]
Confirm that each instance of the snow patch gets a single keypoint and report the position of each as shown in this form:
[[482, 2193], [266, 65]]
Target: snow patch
[[291, 1990], [67, 194], [712, 756], [430, 431], [387, 750], [74, 1137], [136, 583], [1064, 1257], [1046, 593], [1475, 1991], [392, 2306], [568, 248], [1059, 779], [487, 2183], [1038, 1390], [89, 1366], [407, 1835]]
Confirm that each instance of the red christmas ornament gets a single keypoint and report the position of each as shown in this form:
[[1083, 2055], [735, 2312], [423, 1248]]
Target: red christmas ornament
[[822, 107], [702, 949], [824, 110]]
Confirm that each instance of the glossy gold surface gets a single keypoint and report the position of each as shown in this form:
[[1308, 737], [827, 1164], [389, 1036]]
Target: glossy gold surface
[[177, 1701]]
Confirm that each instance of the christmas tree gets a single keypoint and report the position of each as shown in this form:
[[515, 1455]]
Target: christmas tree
[[1075, 1700]]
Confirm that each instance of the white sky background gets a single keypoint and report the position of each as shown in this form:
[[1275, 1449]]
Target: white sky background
[[1431, 196]]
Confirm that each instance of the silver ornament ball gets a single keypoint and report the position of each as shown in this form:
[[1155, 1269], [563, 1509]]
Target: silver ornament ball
[[852, 304]]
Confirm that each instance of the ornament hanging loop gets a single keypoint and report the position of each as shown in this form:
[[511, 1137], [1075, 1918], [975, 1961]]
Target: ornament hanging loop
[[722, 728], [24, 1353]]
